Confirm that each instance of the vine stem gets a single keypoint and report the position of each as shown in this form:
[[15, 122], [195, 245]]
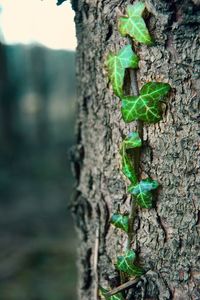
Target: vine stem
[[134, 89], [122, 287]]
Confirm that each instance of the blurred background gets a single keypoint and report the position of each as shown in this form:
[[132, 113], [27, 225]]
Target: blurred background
[[37, 116]]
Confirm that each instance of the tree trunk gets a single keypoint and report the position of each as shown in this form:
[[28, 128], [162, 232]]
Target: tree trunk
[[166, 237]]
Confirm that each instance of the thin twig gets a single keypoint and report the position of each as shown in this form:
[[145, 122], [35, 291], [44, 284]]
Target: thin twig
[[135, 91], [131, 221], [122, 287]]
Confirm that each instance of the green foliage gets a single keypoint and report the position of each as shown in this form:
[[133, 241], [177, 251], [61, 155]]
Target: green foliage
[[120, 221], [126, 264], [134, 25], [128, 169], [142, 191], [117, 296], [116, 65], [145, 107], [130, 142]]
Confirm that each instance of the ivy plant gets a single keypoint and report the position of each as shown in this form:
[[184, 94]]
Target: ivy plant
[[147, 106], [142, 191], [126, 264], [116, 65], [133, 24], [130, 142], [120, 221]]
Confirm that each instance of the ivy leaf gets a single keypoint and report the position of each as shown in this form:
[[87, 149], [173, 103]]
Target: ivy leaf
[[126, 264], [128, 169], [145, 107], [133, 140], [133, 24], [116, 65], [145, 199], [117, 296], [142, 191], [146, 185], [130, 142], [120, 221]]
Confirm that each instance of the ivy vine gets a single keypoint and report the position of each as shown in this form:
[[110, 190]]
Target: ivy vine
[[143, 106]]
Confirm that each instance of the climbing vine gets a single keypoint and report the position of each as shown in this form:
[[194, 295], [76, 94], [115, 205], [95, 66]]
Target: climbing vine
[[143, 106]]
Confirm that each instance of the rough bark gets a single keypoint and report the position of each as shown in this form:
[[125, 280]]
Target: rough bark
[[166, 236]]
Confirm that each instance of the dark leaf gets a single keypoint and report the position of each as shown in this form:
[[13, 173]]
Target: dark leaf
[[120, 221], [126, 264], [142, 191]]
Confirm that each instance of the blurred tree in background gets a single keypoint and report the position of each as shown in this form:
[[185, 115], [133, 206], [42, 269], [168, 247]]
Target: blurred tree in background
[[37, 112]]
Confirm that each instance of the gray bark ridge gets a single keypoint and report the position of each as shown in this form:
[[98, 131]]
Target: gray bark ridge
[[167, 237]]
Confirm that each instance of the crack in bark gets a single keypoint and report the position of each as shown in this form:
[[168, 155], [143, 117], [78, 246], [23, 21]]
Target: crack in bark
[[87, 274], [162, 226]]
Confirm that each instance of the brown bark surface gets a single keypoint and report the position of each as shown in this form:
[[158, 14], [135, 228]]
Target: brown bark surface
[[166, 237]]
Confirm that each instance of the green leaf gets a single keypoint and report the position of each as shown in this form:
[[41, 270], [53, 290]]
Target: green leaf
[[133, 140], [145, 199], [126, 264], [156, 90], [142, 191], [116, 65], [134, 25], [145, 107], [128, 169], [120, 221], [146, 185], [130, 142], [117, 296]]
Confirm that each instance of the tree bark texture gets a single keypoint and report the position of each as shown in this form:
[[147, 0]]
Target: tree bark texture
[[166, 237]]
